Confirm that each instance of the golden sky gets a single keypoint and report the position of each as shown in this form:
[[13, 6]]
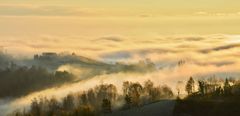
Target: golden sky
[[32, 26], [127, 6]]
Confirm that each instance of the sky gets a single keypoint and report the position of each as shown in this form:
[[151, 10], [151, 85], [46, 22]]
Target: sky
[[93, 28]]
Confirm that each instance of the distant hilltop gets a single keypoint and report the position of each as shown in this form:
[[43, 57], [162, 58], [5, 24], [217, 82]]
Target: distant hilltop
[[49, 55], [53, 60]]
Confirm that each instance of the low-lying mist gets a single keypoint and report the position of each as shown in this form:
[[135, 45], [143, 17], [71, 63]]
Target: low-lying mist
[[165, 76]]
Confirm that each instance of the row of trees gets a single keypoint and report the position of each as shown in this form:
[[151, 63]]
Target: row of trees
[[136, 94], [226, 87], [17, 81], [214, 97], [100, 99]]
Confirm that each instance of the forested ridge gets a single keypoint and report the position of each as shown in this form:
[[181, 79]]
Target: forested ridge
[[18, 81]]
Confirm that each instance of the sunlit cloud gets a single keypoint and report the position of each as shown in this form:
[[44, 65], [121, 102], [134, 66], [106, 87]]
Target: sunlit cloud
[[220, 48], [203, 13], [109, 39]]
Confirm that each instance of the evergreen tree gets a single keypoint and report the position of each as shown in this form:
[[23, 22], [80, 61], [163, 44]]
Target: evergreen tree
[[227, 87], [190, 86], [202, 87]]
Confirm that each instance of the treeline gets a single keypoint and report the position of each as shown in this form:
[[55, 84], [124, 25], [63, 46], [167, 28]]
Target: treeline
[[17, 81], [213, 88], [99, 100], [213, 97]]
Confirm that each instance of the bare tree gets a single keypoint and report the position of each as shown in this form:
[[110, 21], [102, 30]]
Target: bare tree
[[106, 106], [135, 91]]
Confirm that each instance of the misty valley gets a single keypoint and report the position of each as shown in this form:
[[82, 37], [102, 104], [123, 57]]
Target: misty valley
[[21, 77], [28, 87]]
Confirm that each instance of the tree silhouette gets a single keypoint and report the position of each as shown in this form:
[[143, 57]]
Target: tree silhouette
[[106, 106], [53, 106], [128, 101], [68, 102], [202, 87], [35, 108], [227, 87], [125, 87], [190, 86], [83, 98], [135, 91]]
